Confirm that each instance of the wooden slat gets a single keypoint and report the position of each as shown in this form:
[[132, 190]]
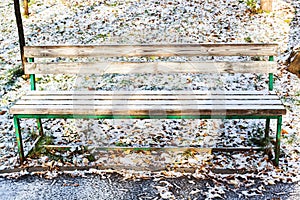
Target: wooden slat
[[196, 97], [149, 95], [164, 50], [138, 97], [148, 102], [150, 67], [244, 110], [153, 92]]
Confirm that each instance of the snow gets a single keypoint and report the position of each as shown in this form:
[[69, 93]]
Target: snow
[[151, 21]]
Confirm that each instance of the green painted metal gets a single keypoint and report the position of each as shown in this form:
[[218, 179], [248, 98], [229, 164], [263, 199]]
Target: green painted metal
[[178, 148], [32, 82], [33, 87], [39, 117], [271, 76], [53, 116], [271, 81], [277, 144], [19, 139], [32, 77]]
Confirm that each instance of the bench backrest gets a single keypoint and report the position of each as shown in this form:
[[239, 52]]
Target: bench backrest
[[71, 66], [158, 50]]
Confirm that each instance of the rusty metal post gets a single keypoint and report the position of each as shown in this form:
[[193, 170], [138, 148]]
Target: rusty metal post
[[26, 11]]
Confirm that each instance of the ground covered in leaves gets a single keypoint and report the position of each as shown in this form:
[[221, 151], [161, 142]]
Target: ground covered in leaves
[[111, 186], [140, 22]]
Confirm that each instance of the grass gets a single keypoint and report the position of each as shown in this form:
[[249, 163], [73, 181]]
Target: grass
[[57, 153], [112, 4], [248, 39], [297, 98], [31, 2], [102, 37], [290, 139], [10, 77], [121, 144], [253, 6], [39, 150]]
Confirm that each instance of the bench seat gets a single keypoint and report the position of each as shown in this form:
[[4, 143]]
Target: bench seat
[[150, 103]]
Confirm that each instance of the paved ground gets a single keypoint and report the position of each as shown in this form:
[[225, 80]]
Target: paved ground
[[113, 187]]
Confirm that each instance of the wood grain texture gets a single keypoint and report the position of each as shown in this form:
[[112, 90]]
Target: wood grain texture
[[245, 110], [150, 67], [160, 50], [163, 103], [153, 92], [159, 103], [150, 95], [137, 97], [148, 102]]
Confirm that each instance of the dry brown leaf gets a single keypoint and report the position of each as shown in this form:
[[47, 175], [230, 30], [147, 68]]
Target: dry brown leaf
[[284, 132], [2, 112]]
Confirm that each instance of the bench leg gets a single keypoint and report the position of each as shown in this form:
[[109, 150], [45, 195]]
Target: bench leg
[[19, 139], [40, 127], [277, 144], [267, 130]]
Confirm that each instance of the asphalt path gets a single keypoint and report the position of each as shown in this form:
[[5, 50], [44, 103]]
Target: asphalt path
[[113, 186]]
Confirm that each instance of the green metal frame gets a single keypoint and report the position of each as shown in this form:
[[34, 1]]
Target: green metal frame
[[52, 116], [279, 121], [38, 117], [17, 121], [271, 76], [19, 139], [278, 137], [33, 87], [58, 116]]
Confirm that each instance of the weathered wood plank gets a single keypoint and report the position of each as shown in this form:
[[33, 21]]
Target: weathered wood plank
[[138, 97], [150, 67], [244, 110], [153, 92], [150, 107], [149, 95], [161, 50], [148, 102]]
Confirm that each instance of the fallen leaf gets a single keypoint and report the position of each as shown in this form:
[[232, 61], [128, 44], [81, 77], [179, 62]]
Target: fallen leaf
[[284, 132], [75, 184], [271, 182], [2, 112], [127, 151]]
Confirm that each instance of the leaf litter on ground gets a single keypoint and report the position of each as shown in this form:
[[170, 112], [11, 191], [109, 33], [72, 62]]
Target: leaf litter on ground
[[74, 22]]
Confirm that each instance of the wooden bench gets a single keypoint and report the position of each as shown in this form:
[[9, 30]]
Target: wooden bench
[[150, 104]]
